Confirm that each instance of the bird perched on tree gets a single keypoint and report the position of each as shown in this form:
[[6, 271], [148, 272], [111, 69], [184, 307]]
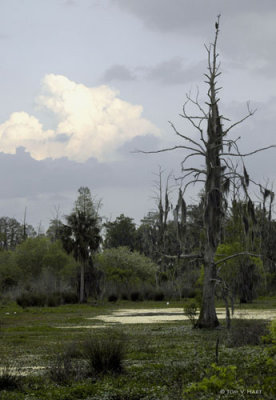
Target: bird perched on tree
[[217, 25]]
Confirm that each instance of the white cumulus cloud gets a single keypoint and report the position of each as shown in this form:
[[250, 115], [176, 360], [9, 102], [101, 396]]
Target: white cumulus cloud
[[91, 122]]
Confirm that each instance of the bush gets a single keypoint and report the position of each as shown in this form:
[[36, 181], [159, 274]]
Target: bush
[[217, 378], [188, 293], [54, 300], [104, 354], [246, 332], [29, 299], [124, 296], [136, 296], [112, 297], [159, 296], [69, 298]]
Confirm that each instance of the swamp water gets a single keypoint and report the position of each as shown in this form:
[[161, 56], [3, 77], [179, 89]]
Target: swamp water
[[163, 315]]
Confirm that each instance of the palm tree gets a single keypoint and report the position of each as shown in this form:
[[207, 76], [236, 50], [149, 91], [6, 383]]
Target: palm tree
[[81, 233]]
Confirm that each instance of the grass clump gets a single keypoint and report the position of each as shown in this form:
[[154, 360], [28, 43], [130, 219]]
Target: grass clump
[[104, 354], [9, 379], [65, 366], [97, 355]]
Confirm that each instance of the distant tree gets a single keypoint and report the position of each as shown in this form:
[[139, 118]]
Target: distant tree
[[157, 236], [54, 231], [13, 233], [10, 273], [121, 232], [125, 269], [29, 257], [40, 262], [81, 234], [147, 236]]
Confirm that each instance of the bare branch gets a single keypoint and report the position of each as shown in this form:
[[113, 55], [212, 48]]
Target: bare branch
[[186, 137], [249, 154], [196, 103], [189, 183], [184, 256], [168, 149], [250, 113], [243, 253], [188, 156]]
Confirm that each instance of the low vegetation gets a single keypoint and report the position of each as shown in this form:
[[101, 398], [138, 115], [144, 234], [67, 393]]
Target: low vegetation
[[55, 356]]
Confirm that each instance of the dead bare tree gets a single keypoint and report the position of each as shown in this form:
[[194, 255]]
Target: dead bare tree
[[218, 174]]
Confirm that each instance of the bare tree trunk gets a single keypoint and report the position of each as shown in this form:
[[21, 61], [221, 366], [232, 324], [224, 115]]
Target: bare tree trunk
[[213, 197], [208, 317], [82, 283]]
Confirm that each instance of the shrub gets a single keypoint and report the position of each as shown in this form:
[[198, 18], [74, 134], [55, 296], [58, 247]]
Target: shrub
[[112, 297], [190, 310], [188, 293], [124, 296], [104, 354], [69, 298], [218, 378], [246, 332], [29, 299], [159, 296], [135, 296], [54, 300]]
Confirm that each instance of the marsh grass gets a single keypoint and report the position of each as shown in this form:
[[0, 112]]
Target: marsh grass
[[105, 354], [64, 370], [158, 361]]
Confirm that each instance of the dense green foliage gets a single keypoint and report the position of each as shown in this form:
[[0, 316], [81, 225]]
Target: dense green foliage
[[36, 264], [143, 262], [121, 232], [124, 270]]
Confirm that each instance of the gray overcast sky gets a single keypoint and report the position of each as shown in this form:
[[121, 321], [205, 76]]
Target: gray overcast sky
[[85, 82]]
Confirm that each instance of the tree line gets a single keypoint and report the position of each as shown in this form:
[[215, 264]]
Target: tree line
[[118, 259]]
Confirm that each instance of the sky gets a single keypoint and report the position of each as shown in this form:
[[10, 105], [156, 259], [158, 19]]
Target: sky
[[84, 84]]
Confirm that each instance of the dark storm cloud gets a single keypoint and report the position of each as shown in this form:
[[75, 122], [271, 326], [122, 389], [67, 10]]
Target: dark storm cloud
[[248, 29], [175, 72], [28, 177], [184, 15], [124, 186], [169, 72], [69, 2], [118, 73]]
